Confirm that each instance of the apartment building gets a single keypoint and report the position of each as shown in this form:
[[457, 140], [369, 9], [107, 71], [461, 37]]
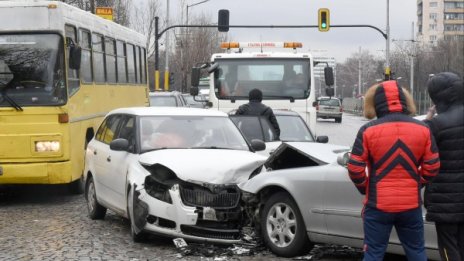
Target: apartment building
[[439, 19]]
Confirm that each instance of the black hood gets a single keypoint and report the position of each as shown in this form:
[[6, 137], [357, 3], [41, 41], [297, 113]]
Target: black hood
[[445, 89]]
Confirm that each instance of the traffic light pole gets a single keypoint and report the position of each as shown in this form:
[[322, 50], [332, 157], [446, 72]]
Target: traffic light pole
[[159, 34]]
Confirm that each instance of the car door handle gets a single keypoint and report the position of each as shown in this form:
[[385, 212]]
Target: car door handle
[[108, 159]]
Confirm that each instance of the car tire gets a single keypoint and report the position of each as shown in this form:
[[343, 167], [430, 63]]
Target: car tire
[[283, 228], [136, 237], [96, 211], [338, 120]]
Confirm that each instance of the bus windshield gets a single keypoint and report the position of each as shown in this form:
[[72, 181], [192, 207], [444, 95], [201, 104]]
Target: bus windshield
[[31, 70], [277, 78]]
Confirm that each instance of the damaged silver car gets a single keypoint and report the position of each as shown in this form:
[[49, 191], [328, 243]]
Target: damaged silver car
[[307, 197], [172, 172]]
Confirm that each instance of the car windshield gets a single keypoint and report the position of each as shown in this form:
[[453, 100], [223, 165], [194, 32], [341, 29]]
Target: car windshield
[[277, 78], [192, 132], [31, 70], [195, 103], [163, 101], [293, 128], [329, 102]]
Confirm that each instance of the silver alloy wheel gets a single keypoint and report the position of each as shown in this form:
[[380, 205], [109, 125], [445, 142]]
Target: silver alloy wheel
[[281, 225], [91, 197]]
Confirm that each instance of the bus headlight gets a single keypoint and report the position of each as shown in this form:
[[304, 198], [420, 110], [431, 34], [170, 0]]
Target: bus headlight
[[47, 146]]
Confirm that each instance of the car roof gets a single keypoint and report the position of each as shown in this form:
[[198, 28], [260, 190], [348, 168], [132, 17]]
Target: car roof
[[173, 111], [285, 113]]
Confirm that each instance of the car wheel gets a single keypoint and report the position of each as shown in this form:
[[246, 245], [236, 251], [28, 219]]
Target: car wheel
[[283, 228], [338, 120], [96, 211], [136, 236]]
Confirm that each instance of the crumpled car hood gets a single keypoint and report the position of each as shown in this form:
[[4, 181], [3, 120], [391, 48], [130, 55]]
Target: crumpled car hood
[[323, 153], [214, 166]]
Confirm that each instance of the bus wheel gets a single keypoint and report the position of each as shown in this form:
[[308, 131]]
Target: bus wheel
[[77, 187]]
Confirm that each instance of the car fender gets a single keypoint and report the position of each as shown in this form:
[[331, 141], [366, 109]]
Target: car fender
[[303, 184]]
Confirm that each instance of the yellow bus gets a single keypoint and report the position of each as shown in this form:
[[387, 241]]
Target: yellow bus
[[61, 70]]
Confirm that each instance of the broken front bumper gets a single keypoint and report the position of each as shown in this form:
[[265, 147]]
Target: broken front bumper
[[192, 214]]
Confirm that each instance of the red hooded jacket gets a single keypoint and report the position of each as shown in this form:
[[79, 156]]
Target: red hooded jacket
[[399, 152]]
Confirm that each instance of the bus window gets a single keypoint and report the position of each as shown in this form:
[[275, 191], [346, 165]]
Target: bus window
[[130, 63], [139, 54], [73, 75], [121, 53], [144, 69], [110, 52], [98, 59], [137, 63], [32, 66], [86, 58]]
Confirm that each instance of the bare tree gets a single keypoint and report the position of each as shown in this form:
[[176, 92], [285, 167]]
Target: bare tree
[[348, 73], [144, 22], [195, 45]]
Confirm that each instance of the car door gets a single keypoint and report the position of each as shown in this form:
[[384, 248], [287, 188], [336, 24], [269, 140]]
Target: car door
[[118, 162], [102, 155], [343, 206]]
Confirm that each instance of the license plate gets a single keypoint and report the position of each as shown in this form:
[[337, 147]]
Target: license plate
[[209, 214]]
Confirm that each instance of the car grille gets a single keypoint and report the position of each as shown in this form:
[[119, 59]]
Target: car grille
[[228, 234], [202, 197]]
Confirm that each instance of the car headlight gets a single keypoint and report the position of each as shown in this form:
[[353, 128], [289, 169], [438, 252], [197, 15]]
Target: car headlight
[[47, 146], [158, 183]]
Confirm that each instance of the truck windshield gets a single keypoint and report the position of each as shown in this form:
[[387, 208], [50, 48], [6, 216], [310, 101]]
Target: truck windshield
[[31, 70], [277, 78]]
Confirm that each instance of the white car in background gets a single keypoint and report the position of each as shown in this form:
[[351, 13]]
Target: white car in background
[[171, 171], [292, 129]]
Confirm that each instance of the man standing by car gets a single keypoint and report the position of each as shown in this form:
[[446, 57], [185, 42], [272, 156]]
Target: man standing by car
[[256, 108], [444, 197], [401, 155]]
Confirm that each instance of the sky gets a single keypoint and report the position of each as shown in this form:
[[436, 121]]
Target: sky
[[338, 42]]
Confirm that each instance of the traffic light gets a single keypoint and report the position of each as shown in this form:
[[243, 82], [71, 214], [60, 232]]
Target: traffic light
[[324, 19], [223, 20]]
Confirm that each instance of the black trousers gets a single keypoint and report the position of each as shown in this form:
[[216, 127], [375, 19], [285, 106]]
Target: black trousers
[[450, 241]]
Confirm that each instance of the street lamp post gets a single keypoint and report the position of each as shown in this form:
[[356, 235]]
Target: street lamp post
[[186, 53]]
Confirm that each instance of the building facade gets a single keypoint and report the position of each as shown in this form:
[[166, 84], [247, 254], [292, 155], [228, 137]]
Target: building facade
[[438, 19]]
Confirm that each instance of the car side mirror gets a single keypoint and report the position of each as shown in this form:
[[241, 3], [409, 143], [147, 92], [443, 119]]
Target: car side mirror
[[343, 158], [119, 145], [258, 145], [322, 139]]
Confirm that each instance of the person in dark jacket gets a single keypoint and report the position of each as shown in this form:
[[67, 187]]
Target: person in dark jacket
[[444, 197], [256, 108], [400, 155]]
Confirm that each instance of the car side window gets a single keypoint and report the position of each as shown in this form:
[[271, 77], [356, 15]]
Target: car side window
[[127, 131], [108, 129]]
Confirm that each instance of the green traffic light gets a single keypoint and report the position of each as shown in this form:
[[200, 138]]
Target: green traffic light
[[324, 25]]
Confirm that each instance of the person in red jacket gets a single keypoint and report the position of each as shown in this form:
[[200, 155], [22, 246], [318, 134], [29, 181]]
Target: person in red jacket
[[401, 156]]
